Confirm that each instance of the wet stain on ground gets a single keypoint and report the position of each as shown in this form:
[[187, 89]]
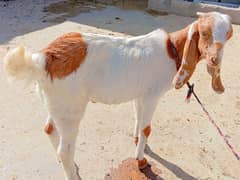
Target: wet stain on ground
[[71, 8], [128, 170]]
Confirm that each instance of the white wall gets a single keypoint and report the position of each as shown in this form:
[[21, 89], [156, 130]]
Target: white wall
[[189, 8]]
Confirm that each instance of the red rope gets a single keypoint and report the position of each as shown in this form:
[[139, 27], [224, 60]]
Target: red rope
[[191, 91]]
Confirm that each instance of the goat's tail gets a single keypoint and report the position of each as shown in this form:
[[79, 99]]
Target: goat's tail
[[22, 65]]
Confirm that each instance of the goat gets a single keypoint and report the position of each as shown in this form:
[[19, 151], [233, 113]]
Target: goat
[[80, 67]]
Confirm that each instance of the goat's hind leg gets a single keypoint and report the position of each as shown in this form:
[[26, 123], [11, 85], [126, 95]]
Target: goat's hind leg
[[66, 151], [68, 129], [59, 141], [52, 132]]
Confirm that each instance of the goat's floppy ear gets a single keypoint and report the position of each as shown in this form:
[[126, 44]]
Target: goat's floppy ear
[[217, 84], [190, 57]]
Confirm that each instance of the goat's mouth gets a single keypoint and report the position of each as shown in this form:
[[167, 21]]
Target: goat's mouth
[[213, 62], [217, 85]]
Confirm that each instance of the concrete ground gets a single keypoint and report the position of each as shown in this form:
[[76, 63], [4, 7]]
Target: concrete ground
[[183, 144]]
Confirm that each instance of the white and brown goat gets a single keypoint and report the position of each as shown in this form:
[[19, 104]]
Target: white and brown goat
[[80, 67]]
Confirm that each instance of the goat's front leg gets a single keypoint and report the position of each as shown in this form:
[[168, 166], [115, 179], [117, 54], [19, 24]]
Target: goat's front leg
[[137, 110], [145, 112]]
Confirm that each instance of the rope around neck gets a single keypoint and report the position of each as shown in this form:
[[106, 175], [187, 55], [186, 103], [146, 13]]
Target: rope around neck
[[230, 146]]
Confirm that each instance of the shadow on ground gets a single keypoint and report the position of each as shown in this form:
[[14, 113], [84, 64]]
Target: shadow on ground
[[128, 169], [178, 171]]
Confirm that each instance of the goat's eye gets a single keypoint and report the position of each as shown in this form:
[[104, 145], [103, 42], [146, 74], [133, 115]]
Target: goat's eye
[[204, 34]]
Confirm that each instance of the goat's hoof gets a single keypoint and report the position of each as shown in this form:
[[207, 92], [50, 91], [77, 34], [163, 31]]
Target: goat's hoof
[[136, 140], [142, 163]]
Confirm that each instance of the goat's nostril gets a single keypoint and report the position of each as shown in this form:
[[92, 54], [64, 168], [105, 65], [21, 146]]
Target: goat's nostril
[[213, 60]]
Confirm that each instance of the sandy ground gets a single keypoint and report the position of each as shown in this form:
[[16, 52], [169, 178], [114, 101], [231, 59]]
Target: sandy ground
[[183, 144]]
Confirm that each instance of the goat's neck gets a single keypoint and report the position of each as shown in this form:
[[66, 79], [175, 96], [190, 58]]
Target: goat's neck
[[179, 38]]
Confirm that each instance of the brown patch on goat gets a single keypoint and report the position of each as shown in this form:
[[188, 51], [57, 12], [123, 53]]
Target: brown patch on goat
[[179, 38], [205, 26], [170, 51], [230, 33], [48, 128], [136, 140], [190, 58], [173, 53], [65, 55], [147, 131]]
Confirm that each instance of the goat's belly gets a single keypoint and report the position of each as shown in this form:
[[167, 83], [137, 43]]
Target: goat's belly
[[114, 87], [106, 99], [119, 81], [114, 92], [123, 90]]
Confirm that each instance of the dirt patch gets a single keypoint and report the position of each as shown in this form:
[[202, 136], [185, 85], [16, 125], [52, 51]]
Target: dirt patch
[[238, 104], [128, 169], [71, 8], [156, 13]]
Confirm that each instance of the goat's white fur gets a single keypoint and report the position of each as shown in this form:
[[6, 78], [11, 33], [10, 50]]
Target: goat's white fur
[[191, 31], [39, 60], [221, 27], [116, 70], [20, 65]]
